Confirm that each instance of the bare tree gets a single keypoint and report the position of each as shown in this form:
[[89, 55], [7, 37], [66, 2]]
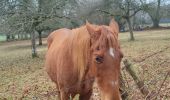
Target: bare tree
[[155, 11], [28, 16], [126, 9]]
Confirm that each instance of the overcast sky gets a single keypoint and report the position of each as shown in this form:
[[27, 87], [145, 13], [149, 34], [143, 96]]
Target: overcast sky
[[166, 1]]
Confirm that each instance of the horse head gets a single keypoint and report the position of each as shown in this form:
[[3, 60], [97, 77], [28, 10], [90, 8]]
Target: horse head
[[105, 58]]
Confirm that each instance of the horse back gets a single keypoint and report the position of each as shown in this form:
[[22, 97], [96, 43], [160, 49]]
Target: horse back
[[58, 36]]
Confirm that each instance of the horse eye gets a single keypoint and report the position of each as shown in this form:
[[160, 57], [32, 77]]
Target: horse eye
[[99, 59]]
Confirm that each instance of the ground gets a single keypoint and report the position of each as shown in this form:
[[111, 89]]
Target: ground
[[22, 77]]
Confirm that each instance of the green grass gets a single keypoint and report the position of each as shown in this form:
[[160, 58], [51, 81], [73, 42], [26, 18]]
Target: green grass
[[164, 24], [2, 38], [22, 77]]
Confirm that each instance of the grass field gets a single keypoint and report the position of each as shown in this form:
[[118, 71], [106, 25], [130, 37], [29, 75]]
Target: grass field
[[22, 77], [2, 38]]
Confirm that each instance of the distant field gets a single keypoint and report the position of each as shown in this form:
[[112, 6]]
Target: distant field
[[165, 24], [22, 77], [2, 38]]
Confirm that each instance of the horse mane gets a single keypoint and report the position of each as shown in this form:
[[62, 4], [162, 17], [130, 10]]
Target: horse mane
[[112, 38], [80, 49]]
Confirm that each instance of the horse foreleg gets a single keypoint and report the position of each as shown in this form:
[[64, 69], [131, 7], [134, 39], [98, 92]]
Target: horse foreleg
[[85, 96], [63, 95]]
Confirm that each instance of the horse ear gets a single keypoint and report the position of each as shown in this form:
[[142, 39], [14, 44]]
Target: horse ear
[[114, 26], [103, 30], [92, 30], [89, 28]]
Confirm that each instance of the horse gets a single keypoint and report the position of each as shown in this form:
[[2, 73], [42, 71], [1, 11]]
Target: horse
[[76, 58]]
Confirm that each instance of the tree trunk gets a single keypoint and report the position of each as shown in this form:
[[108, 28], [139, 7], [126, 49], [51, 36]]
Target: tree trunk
[[26, 36], [40, 37], [155, 23], [134, 23], [156, 17], [18, 36], [22, 36], [7, 37], [130, 29], [33, 44], [13, 37]]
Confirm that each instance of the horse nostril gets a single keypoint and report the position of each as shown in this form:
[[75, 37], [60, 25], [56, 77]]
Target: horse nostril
[[99, 59], [121, 54]]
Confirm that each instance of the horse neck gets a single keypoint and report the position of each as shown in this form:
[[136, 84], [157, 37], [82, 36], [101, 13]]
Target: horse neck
[[80, 50]]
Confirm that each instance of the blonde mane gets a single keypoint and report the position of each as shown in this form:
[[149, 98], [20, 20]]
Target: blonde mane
[[80, 49]]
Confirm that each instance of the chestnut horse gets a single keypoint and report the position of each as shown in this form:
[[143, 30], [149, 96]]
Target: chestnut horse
[[77, 57]]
